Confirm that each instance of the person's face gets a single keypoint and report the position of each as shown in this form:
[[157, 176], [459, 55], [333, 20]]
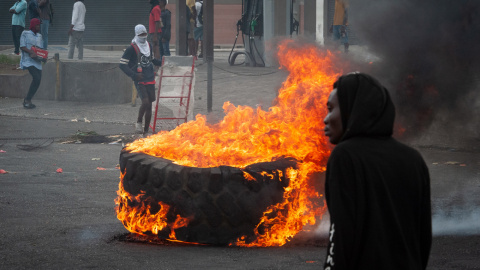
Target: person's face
[[142, 37], [37, 28], [333, 120]]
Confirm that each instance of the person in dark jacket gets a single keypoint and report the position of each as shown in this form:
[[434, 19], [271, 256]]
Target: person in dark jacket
[[34, 9], [137, 62], [377, 189], [166, 29]]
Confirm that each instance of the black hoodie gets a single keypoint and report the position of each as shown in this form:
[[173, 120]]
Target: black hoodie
[[377, 189]]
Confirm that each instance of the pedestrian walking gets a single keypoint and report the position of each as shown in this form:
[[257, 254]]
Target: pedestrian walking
[[33, 9], [155, 28], [18, 10], [137, 62], [76, 29], [377, 189], [29, 60], [166, 16], [46, 16]]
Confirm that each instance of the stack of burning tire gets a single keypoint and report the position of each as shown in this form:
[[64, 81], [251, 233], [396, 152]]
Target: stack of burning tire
[[220, 203]]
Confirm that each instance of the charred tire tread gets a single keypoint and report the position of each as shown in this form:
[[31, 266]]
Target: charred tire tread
[[222, 204]]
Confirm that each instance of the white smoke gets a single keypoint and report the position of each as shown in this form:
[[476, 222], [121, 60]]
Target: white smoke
[[457, 221], [322, 227]]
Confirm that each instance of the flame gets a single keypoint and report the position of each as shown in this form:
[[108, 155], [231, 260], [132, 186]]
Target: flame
[[179, 222], [137, 216], [295, 211], [292, 127]]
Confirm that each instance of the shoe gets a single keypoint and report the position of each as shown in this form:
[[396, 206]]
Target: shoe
[[14, 53], [138, 128], [146, 133], [28, 104], [200, 56]]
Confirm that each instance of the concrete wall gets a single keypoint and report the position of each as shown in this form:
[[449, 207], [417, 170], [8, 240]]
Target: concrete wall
[[79, 81], [314, 20]]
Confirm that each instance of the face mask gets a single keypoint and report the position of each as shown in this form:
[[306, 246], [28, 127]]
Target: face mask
[[142, 39]]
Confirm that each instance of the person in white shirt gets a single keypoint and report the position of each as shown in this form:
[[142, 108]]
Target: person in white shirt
[[76, 29]]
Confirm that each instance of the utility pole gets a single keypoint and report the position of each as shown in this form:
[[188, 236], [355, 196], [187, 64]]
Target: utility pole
[[208, 49], [181, 28]]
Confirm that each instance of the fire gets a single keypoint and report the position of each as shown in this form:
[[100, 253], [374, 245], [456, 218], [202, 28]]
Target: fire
[[140, 218], [292, 127]]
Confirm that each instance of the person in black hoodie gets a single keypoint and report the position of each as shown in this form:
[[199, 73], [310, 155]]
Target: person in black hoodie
[[137, 62], [377, 189]]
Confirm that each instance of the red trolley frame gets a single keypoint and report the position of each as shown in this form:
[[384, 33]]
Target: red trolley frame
[[184, 97]]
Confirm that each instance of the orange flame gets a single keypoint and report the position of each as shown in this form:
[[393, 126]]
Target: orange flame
[[139, 218], [292, 127]]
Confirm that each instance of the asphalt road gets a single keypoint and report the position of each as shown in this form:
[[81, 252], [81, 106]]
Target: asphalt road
[[52, 220]]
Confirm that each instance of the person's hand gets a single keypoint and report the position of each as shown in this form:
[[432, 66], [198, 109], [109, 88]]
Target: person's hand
[[70, 32], [33, 55], [12, 10], [138, 77]]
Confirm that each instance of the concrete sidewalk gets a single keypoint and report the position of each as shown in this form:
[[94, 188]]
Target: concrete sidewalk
[[107, 53], [230, 83]]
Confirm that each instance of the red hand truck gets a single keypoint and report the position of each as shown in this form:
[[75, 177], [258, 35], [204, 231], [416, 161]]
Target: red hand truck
[[175, 85]]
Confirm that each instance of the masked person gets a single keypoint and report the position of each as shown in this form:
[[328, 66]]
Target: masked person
[[29, 59], [137, 62], [377, 189]]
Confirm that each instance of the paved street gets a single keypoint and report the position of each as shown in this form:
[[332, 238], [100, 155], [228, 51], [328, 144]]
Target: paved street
[[58, 220]]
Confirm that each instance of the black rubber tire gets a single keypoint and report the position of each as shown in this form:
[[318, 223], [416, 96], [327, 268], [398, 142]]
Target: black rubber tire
[[223, 204]]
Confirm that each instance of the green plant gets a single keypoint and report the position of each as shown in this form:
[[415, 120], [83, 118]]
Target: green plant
[[5, 59]]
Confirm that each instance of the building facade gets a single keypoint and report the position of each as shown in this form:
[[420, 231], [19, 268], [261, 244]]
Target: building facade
[[112, 22]]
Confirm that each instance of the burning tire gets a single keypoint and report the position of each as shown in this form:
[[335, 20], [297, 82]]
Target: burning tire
[[220, 203]]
